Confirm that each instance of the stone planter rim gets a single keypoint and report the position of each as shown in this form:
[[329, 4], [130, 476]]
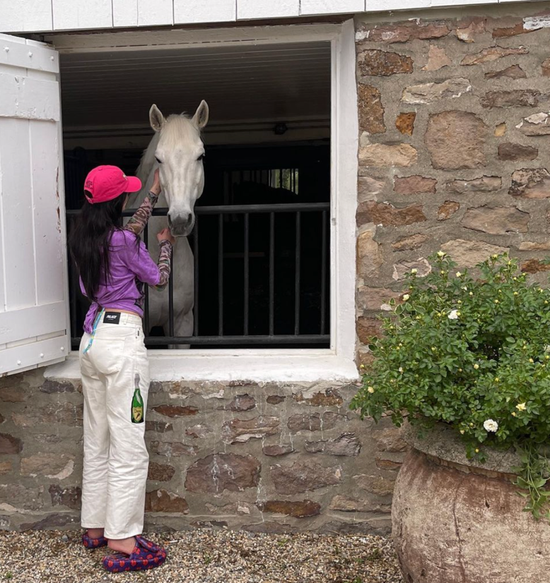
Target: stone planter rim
[[444, 442]]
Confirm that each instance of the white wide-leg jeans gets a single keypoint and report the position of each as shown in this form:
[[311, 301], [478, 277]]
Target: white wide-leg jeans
[[115, 457]]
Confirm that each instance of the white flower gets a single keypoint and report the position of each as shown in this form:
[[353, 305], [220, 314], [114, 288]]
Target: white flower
[[441, 254], [458, 274], [406, 297], [414, 271], [520, 406], [400, 369], [453, 315], [370, 390], [490, 425]]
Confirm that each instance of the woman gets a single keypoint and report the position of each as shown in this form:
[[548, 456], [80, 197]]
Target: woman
[[114, 265]]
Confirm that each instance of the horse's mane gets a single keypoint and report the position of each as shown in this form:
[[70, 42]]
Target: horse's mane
[[147, 158]]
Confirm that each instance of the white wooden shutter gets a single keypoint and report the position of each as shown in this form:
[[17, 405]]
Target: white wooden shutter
[[33, 297]]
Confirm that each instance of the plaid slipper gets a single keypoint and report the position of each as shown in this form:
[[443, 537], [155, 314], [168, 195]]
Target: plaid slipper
[[146, 555], [93, 543]]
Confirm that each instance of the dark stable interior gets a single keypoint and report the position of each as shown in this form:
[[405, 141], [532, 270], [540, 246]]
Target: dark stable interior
[[294, 174]]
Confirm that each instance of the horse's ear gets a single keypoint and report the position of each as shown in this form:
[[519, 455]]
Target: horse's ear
[[201, 115], [156, 119]]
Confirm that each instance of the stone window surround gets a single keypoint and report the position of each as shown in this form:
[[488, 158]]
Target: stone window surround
[[303, 365]]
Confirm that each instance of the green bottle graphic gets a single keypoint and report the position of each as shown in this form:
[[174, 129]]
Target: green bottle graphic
[[137, 404]]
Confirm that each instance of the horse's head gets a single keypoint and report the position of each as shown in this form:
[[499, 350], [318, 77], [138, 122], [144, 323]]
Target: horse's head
[[179, 154]]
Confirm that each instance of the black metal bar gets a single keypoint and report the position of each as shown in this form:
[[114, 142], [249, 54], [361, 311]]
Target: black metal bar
[[297, 275], [171, 297], [323, 270], [239, 209], [196, 269], [146, 306], [220, 275], [245, 339], [238, 340], [271, 273], [259, 208], [246, 272]]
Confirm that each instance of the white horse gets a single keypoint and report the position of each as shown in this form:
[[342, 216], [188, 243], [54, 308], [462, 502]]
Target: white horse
[[178, 151]]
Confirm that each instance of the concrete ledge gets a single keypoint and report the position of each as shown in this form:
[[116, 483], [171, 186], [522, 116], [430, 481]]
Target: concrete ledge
[[284, 366]]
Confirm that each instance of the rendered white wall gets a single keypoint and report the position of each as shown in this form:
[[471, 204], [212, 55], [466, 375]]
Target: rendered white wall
[[75, 15], [143, 13], [54, 15], [25, 15], [199, 11]]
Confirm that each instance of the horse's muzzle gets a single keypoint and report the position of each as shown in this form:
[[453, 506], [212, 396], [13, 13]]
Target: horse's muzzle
[[181, 225]]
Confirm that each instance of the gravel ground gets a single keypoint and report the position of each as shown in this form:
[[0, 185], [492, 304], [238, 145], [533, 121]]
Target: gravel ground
[[206, 556]]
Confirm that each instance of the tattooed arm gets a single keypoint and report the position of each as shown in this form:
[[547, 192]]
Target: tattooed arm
[[137, 222], [164, 263]]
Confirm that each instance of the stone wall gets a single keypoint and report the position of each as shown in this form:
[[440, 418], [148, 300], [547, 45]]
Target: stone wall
[[454, 146], [266, 458]]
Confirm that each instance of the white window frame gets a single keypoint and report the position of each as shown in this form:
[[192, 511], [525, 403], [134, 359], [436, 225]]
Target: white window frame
[[267, 365]]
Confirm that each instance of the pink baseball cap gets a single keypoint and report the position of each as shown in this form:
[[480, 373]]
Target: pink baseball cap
[[105, 183]]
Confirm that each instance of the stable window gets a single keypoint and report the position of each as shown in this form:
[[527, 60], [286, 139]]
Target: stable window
[[260, 243], [272, 215]]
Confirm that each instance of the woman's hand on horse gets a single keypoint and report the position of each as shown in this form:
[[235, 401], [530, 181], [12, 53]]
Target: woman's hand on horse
[[156, 188], [165, 235]]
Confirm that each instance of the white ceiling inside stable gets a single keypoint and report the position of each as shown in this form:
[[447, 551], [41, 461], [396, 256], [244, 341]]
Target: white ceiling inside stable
[[263, 83]]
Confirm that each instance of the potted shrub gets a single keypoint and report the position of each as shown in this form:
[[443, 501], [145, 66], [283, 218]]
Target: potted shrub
[[466, 359]]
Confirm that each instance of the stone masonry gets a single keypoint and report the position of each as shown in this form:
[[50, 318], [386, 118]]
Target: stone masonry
[[270, 458], [454, 148]]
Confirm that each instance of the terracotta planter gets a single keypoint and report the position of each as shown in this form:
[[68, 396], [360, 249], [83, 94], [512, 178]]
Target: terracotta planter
[[459, 522]]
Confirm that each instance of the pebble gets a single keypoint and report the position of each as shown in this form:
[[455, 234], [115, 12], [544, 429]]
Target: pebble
[[206, 556]]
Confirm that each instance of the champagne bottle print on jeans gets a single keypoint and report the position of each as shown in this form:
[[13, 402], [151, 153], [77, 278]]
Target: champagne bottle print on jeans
[[137, 403]]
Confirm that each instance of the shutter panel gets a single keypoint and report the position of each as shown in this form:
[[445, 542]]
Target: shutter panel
[[33, 277]]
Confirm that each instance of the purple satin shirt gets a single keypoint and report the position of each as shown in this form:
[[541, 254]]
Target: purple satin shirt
[[131, 267]]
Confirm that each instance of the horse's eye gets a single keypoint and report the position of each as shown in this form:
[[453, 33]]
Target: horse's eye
[[159, 161], [200, 158]]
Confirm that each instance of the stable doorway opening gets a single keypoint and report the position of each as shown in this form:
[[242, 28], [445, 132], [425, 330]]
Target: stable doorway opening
[[262, 236]]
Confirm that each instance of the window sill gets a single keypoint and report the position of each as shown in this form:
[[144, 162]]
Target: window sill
[[230, 365]]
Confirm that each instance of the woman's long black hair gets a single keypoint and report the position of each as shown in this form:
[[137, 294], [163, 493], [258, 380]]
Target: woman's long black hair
[[90, 238]]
